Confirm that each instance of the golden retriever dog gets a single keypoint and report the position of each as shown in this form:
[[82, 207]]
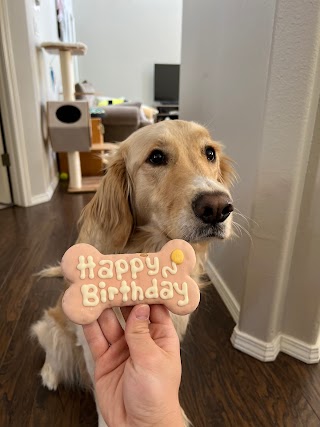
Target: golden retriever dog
[[167, 181]]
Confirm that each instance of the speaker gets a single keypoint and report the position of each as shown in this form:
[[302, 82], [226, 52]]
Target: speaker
[[69, 125]]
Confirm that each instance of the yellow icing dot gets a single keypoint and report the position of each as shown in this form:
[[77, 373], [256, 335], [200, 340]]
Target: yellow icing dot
[[177, 256]]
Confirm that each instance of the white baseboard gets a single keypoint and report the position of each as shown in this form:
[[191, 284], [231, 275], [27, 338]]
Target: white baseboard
[[307, 353], [223, 290], [46, 196], [268, 351], [261, 350]]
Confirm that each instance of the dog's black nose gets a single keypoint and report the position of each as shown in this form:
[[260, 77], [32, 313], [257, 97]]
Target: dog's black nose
[[212, 208]]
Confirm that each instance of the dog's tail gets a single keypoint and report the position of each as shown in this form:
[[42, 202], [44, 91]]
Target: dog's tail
[[55, 271]]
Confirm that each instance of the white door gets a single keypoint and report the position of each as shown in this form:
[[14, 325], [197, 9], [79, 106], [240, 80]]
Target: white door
[[5, 195]]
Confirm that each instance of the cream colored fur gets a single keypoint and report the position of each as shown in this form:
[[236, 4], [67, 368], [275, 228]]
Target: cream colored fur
[[137, 208]]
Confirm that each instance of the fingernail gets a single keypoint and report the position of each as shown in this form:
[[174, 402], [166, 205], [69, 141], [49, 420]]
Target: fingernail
[[142, 312]]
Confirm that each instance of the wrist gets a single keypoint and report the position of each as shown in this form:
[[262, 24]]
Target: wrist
[[173, 419], [168, 417]]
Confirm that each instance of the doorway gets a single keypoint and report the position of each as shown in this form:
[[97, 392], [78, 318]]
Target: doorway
[[6, 199]]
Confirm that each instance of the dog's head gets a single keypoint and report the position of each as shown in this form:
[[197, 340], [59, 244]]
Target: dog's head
[[171, 176]]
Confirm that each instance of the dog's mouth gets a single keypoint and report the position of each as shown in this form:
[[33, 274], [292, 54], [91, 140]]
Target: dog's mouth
[[206, 232]]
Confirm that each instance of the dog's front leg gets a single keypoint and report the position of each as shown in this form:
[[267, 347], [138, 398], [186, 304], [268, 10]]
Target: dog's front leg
[[180, 324]]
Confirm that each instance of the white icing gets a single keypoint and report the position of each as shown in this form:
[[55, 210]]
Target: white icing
[[135, 290], [89, 295], [136, 265], [103, 295], [121, 267], [152, 291], [153, 268], [172, 270], [82, 266], [183, 291], [112, 291], [166, 293], [105, 272], [124, 289]]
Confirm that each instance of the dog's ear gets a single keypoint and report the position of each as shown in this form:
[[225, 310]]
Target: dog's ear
[[107, 221], [227, 175]]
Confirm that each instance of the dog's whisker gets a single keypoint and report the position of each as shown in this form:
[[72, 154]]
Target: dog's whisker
[[235, 228], [242, 227], [242, 216], [246, 231], [209, 123], [247, 218]]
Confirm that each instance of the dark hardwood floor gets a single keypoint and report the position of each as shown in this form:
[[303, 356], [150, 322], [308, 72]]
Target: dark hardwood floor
[[221, 386]]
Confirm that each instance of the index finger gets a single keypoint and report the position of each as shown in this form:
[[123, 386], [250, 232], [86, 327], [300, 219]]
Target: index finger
[[160, 314], [103, 332]]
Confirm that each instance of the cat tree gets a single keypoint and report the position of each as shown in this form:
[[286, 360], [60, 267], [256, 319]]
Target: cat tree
[[66, 51]]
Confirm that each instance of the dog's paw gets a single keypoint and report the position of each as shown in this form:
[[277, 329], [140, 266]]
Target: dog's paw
[[186, 421], [49, 377]]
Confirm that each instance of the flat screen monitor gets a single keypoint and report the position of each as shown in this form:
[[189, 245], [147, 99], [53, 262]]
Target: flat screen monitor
[[166, 83]]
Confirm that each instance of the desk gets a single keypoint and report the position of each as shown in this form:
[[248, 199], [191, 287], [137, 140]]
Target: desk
[[105, 146], [167, 112]]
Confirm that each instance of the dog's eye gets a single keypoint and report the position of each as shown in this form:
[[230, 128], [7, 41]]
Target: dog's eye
[[157, 157], [210, 153]]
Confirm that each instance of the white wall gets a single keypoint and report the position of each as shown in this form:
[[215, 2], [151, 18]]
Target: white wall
[[290, 111], [304, 281], [34, 160], [224, 73], [125, 38], [255, 67]]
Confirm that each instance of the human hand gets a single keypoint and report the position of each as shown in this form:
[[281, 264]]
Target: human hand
[[137, 372]]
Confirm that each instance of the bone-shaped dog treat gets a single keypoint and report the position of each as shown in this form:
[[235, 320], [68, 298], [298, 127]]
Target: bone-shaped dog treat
[[102, 281]]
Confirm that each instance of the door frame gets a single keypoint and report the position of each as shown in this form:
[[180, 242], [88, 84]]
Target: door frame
[[11, 114]]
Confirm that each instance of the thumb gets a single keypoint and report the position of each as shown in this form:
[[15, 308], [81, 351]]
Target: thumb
[[137, 332]]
